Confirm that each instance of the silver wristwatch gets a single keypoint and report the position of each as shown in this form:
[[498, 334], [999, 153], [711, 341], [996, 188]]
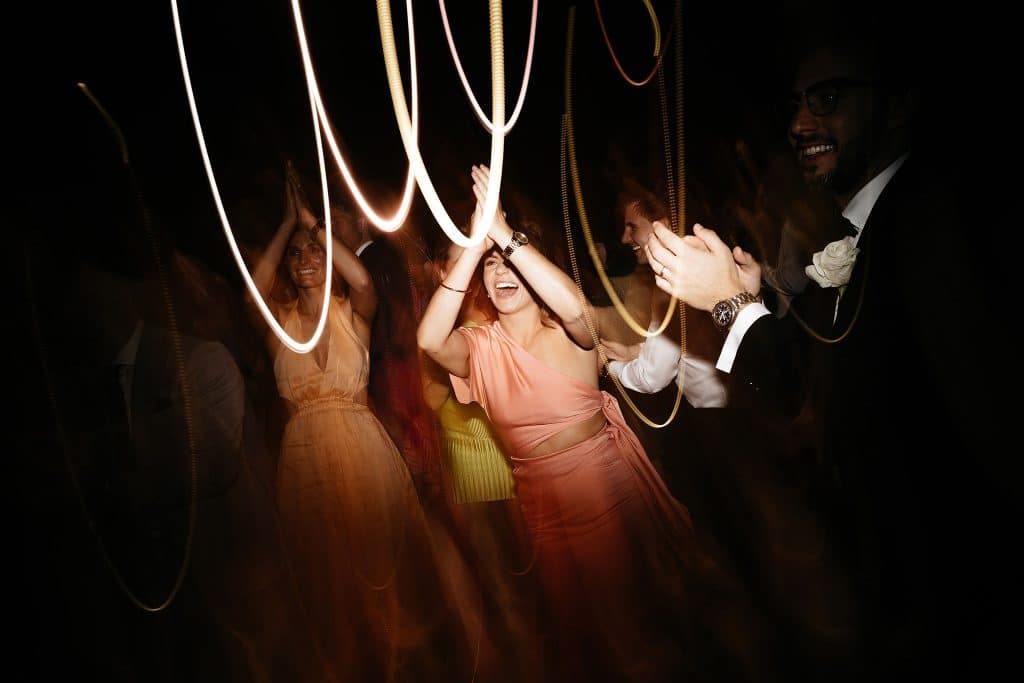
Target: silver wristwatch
[[519, 239], [724, 312]]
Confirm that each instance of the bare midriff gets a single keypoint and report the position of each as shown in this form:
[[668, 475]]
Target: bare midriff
[[570, 436]]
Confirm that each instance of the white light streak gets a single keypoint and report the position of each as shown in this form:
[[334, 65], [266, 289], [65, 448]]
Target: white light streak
[[286, 339], [395, 221]]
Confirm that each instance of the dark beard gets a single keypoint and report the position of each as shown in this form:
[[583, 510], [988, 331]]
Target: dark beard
[[851, 168]]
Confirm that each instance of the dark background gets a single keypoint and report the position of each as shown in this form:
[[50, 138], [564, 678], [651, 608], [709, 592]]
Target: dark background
[[68, 183], [246, 72]]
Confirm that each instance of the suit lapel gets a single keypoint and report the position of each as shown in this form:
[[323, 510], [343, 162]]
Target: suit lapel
[[876, 245], [855, 289], [816, 307]]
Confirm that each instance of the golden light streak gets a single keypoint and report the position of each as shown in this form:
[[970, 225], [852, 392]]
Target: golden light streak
[[486, 122], [584, 223], [490, 207]]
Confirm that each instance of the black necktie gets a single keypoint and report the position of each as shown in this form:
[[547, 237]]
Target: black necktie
[[849, 227]]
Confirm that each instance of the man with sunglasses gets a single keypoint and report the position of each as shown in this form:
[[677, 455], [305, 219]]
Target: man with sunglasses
[[882, 385]]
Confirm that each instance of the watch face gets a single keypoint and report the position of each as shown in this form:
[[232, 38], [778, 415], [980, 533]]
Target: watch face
[[521, 238], [722, 314]]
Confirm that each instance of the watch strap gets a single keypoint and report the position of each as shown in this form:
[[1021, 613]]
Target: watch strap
[[513, 244], [725, 311]]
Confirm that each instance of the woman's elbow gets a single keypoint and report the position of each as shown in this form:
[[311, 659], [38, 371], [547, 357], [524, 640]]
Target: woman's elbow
[[427, 342], [361, 285]]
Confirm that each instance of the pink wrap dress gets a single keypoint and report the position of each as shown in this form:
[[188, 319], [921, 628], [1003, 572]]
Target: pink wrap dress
[[611, 544]]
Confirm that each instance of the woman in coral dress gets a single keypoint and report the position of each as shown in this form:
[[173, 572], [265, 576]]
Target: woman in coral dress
[[479, 492], [612, 547]]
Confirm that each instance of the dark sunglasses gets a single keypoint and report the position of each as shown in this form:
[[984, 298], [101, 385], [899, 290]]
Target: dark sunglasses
[[822, 98]]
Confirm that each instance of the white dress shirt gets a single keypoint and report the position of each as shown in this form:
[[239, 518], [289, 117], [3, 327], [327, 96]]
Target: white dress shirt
[[660, 362]]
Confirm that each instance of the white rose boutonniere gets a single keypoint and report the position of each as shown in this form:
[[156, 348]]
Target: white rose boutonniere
[[832, 266]]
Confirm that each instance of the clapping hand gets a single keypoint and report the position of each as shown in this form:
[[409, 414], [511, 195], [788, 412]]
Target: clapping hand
[[291, 196], [700, 269], [481, 176], [296, 202]]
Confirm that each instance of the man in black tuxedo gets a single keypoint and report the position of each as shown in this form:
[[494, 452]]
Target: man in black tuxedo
[[875, 382]]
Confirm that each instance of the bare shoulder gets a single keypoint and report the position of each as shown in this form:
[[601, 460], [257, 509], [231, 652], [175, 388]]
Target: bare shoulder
[[563, 353]]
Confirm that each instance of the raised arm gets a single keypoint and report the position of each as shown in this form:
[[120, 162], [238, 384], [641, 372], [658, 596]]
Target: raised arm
[[550, 282], [436, 333], [361, 291], [265, 269]]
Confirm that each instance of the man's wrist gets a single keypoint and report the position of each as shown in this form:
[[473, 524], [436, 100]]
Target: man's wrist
[[724, 312]]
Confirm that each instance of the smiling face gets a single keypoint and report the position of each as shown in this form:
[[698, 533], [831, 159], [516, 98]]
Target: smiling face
[[833, 125], [304, 260], [636, 231], [504, 287]]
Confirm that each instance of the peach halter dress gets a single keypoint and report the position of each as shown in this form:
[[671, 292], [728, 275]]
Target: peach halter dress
[[359, 542]]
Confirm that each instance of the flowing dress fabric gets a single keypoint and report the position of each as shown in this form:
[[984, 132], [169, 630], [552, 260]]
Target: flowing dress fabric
[[612, 545], [358, 539]]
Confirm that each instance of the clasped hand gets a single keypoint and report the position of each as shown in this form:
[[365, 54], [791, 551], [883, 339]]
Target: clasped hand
[[498, 228], [700, 269]]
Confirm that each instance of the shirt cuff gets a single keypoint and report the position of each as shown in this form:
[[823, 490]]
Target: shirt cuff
[[746, 317]]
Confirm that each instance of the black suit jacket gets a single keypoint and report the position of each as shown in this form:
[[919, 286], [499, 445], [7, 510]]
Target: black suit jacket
[[904, 416]]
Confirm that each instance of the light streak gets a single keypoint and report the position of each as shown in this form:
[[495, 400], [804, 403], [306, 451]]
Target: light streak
[[620, 307], [387, 38], [486, 122], [395, 221], [286, 339]]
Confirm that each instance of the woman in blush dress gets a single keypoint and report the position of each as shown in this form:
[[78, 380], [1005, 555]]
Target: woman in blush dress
[[479, 493], [614, 549]]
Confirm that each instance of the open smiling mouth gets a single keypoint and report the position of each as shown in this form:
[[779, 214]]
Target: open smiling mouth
[[812, 151], [505, 289]]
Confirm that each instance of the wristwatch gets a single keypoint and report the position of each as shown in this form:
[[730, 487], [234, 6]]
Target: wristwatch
[[724, 312], [519, 239]]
